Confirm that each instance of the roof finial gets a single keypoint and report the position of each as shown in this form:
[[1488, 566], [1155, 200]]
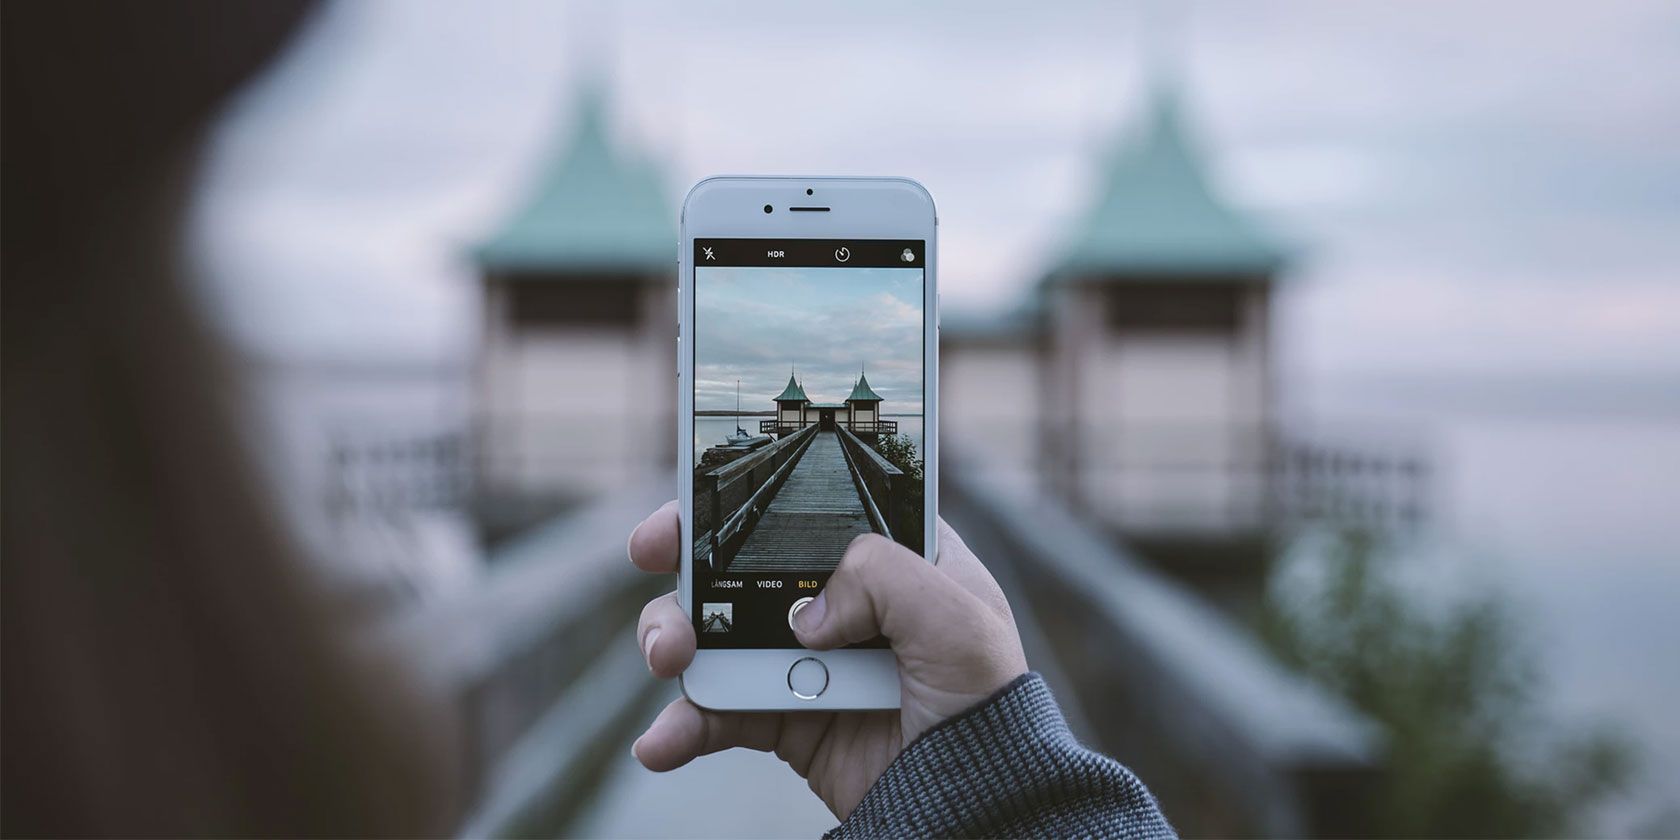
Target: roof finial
[[1163, 28], [592, 33]]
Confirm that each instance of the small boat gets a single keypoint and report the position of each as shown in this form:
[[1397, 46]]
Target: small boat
[[740, 436]]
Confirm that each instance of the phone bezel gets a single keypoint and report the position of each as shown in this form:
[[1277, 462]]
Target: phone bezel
[[859, 208]]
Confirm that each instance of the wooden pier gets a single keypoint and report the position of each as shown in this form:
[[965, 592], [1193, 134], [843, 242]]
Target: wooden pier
[[814, 516], [795, 505]]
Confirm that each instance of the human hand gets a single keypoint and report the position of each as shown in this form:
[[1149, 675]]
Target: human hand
[[948, 624]]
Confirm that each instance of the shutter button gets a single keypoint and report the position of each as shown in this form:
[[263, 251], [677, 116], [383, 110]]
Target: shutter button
[[797, 606]]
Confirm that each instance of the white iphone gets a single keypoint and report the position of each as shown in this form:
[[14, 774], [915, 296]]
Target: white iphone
[[807, 360]]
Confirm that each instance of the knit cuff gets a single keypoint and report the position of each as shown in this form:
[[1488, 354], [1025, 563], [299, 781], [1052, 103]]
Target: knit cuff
[[1005, 766]]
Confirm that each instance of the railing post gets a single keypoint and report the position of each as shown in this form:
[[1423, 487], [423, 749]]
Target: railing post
[[717, 515], [893, 519]]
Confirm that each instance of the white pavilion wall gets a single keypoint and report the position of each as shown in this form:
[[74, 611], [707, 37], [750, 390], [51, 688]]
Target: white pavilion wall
[[989, 405], [1171, 427], [575, 411]]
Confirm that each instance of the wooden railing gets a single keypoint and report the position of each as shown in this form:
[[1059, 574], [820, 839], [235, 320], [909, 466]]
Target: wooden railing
[[1231, 741], [1214, 478], [782, 427], [1382, 489], [729, 499], [537, 660], [383, 474], [881, 485]]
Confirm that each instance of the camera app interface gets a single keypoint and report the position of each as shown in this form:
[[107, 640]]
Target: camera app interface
[[807, 432]]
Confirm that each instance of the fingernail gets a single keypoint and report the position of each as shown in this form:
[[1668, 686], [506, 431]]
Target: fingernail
[[647, 646], [630, 541], [633, 745], [810, 618]]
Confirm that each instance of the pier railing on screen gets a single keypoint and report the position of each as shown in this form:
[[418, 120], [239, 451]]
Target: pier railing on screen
[[879, 483], [729, 499], [782, 427]]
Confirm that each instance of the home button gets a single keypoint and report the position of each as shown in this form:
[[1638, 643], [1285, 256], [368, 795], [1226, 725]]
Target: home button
[[808, 678]]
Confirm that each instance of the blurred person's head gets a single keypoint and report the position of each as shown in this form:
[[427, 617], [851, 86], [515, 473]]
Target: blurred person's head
[[169, 666]]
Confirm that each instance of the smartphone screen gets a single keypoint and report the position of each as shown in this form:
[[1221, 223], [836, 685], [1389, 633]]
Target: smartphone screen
[[809, 364]]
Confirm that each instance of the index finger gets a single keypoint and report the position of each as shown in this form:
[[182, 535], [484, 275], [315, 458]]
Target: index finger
[[655, 545], [960, 563]]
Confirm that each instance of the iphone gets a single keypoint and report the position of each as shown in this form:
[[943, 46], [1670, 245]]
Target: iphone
[[807, 358]]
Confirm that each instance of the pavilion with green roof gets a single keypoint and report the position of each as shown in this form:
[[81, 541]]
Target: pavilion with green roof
[[1154, 349], [579, 284], [860, 413], [1142, 358]]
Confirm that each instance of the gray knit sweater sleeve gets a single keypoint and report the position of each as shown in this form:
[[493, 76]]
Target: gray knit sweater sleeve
[[1009, 767]]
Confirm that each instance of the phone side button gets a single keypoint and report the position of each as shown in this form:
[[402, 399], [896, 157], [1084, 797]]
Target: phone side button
[[808, 678]]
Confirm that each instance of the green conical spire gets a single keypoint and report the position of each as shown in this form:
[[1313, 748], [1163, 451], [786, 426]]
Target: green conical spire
[[861, 392], [1157, 214], [793, 392]]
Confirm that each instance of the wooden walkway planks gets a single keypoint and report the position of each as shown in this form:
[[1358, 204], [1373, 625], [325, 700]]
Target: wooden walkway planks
[[812, 519]]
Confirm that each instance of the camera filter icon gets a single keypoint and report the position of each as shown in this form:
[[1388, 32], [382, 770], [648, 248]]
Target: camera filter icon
[[908, 255]]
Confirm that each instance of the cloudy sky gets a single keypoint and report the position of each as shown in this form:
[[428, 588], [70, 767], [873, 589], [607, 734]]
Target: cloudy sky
[[1473, 187], [757, 324]]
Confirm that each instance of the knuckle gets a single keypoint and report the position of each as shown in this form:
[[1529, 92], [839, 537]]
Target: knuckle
[[872, 561], [868, 547], [861, 555]]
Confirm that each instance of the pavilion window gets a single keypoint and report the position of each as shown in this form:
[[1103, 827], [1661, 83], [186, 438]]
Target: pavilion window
[[539, 302], [1183, 305]]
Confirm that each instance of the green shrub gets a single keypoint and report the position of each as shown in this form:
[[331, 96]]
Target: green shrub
[[900, 451], [1470, 753]]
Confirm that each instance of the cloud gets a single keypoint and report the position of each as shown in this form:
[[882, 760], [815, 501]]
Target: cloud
[[760, 325]]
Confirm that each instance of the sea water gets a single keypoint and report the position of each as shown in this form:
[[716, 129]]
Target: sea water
[[710, 431]]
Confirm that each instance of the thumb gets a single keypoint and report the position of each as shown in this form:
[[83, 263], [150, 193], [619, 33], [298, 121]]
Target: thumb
[[882, 588]]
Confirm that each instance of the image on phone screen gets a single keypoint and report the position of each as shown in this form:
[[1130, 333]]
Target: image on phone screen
[[807, 427]]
